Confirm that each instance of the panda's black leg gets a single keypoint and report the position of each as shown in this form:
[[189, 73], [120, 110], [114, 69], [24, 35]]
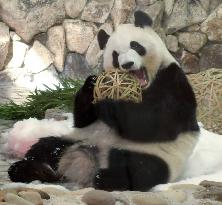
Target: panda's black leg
[[28, 171], [132, 171], [83, 107], [40, 162], [115, 177]]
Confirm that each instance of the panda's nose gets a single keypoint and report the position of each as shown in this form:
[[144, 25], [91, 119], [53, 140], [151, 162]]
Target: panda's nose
[[127, 65]]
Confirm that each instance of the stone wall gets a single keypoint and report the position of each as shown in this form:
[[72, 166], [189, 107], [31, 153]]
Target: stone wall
[[41, 38]]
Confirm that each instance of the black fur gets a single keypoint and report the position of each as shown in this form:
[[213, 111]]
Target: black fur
[[138, 48], [41, 161], [168, 109], [28, 171], [142, 19], [127, 65], [83, 107], [131, 171], [115, 56], [102, 38]]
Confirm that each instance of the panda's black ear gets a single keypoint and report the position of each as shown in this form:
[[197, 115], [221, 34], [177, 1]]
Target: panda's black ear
[[142, 19], [102, 38]]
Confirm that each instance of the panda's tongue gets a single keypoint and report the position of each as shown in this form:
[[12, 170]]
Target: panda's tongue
[[140, 74]]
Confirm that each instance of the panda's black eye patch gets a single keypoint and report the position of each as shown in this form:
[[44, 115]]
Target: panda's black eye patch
[[138, 48], [115, 59]]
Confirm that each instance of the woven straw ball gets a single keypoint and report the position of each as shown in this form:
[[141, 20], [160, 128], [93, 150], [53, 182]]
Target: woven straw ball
[[117, 85], [207, 86]]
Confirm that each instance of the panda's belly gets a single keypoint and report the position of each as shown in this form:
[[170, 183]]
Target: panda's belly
[[174, 153]]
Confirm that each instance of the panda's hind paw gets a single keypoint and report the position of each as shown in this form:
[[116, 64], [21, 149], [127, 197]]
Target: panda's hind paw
[[28, 171]]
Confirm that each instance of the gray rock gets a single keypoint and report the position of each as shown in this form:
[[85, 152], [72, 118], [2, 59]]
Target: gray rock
[[177, 196], [11, 92], [41, 37], [211, 57], [48, 77], [13, 74], [4, 44], [56, 44], [121, 11], [149, 199], [31, 196], [195, 27], [169, 6], [205, 4], [192, 41], [15, 199], [14, 36], [97, 10], [19, 51], [145, 2], [76, 67], [189, 63], [74, 7], [210, 5], [55, 113], [172, 43], [38, 58], [185, 13], [84, 35], [212, 25], [31, 17], [96, 197], [214, 4], [187, 187]]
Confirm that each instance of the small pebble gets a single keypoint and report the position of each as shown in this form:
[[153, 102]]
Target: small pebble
[[98, 197], [178, 196], [190, 187], [148, 200], [33, 197], [15, 199]]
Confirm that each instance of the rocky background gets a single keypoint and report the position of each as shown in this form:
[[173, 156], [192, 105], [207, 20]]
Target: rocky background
[[43, 39]]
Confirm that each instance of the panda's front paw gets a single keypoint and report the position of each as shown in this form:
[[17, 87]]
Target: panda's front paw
[[90, 83]]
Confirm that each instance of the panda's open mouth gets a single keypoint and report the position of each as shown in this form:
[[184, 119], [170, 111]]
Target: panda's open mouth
[[142, 76]]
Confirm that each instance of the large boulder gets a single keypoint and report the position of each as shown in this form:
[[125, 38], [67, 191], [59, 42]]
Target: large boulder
[[121, 11], [97, 10], [185, 14], [79, 34], [4, 43], [192, 41], [29, 18], [172, 43], [211, 57], [19, 50], [38, 58], [74, 7], [76, 67], [56, 44], [212, 25]]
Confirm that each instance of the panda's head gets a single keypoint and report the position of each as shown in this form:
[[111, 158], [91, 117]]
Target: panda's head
[[136, 48]]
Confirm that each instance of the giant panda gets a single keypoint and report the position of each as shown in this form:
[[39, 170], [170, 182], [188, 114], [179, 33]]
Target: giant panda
[[121, 145]]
